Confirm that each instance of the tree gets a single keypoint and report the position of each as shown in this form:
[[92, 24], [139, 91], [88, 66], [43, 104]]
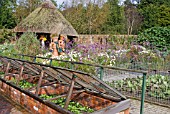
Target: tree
[[115, 19], [25, 7], [133, 18], [86, 17], [7, 19], [164, 16], [155, 13], [95, 17]]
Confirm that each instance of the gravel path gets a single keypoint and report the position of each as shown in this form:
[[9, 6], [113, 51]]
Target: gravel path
[[109, 77], [148, 108]]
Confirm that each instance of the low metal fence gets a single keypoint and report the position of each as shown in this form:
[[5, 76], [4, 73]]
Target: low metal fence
[[130, 84], [145, 65]]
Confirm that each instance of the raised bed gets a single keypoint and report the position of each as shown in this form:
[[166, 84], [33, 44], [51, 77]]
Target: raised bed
[[44, 89]]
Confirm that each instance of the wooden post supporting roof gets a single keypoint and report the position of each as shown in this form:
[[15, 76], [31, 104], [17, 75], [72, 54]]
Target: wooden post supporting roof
[[20, 74], [70, 91], [39, 83]]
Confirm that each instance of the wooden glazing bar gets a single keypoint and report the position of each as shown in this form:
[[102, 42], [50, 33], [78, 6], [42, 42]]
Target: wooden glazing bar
[[68, 75], [49, 83]]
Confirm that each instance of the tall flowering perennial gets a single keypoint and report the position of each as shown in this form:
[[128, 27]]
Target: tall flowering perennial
[[106, 55]]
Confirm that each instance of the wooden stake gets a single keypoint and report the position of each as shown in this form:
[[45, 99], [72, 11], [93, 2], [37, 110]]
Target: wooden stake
[[39, 83], [7, 69], [20, 74], [70, 92]]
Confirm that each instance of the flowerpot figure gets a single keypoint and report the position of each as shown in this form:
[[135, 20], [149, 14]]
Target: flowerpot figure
[[43, 39], [61, 45], [54, 46]]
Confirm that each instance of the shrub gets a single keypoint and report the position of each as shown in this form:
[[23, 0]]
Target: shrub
[[155, 37], [7, 49], [28, 44], [6, 35]]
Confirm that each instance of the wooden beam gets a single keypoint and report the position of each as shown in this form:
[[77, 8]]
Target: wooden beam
[[115, 108], [87, 80], [70, 92], [84, 78], [4, 60], [7, 69], [20, 74], [49, 83], [104, 96], [39, 83], [52, 74], [111, 89], [30, 68], [68, 75]]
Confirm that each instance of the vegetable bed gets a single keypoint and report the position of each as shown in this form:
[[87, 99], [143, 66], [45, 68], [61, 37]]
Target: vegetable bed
[[74, 107], [157, 86]]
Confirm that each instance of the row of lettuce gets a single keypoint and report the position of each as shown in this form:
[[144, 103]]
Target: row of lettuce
[[157, 86]]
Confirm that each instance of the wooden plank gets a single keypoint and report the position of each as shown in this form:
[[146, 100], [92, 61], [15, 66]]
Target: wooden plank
[[37, 66], [53, 74], [107, 86], [4, 60], [69, 92], [114, 109], [104, 96], [48, 71], [30, 68], [82, 77], [87, 79], [68, 75], [15, 64], [66, 80], [49, 83], [20, 74], [99, 88], [39, 83], [69, 72], [7, 68]]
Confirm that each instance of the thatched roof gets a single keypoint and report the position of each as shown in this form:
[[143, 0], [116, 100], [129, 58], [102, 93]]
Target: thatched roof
[[46, 19]]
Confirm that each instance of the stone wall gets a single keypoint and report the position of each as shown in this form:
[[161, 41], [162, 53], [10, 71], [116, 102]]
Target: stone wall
[[102, 39]]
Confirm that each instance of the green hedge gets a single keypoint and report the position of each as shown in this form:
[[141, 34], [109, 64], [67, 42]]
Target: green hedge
[[155, 37]]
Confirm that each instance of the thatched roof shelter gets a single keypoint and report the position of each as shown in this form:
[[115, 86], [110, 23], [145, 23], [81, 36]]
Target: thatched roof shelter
[[46, 19]]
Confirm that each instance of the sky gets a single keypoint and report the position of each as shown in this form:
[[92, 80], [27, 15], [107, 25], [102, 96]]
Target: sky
[[61, 1]]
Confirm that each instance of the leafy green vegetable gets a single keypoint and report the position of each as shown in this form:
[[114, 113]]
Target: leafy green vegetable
[[74, 107], [24, 84], [156, 85]]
